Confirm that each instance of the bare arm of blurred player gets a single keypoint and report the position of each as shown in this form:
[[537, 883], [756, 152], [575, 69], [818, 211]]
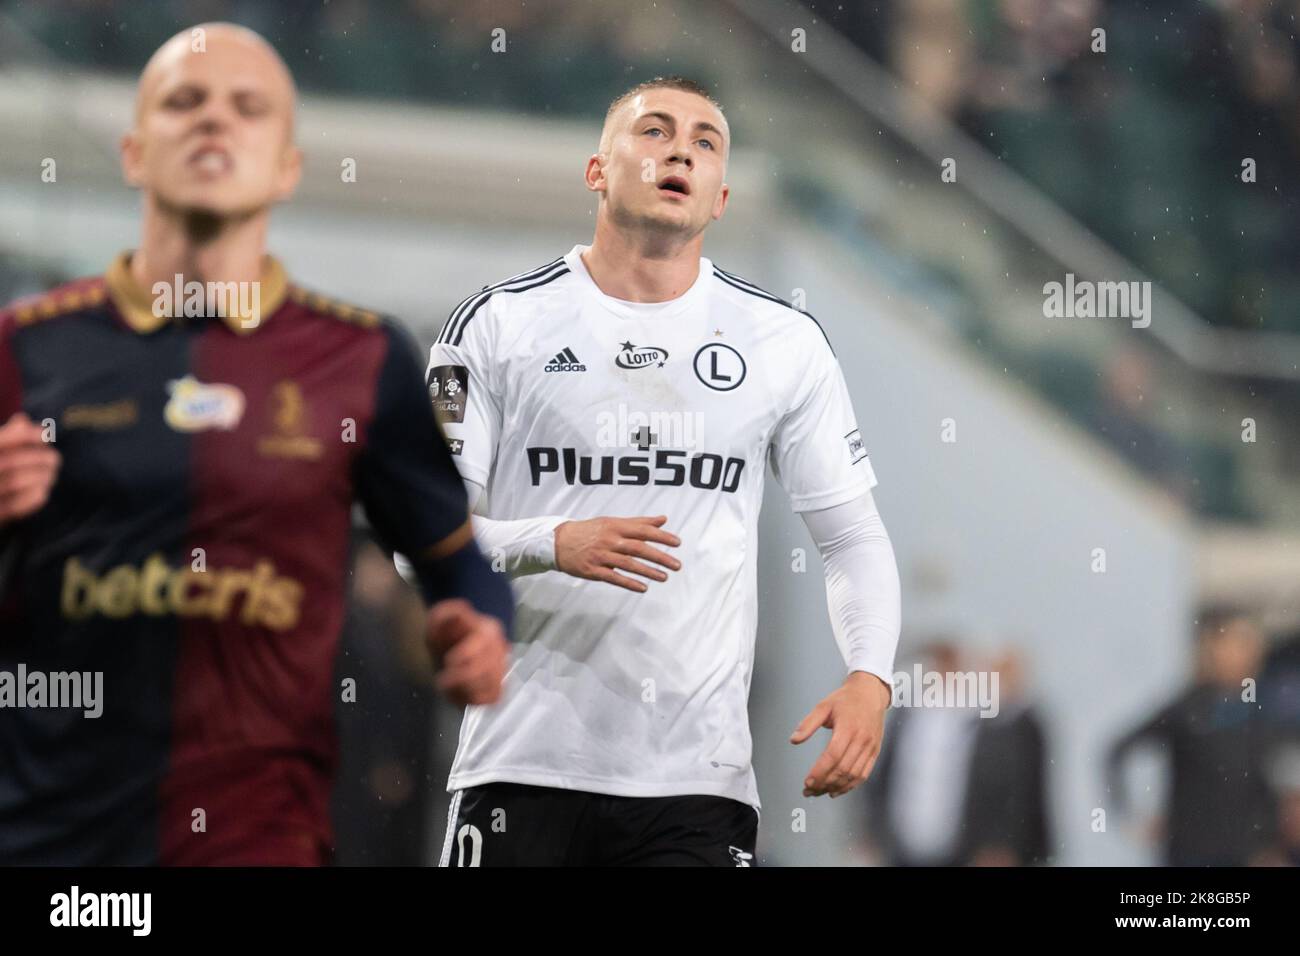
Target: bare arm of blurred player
[[863, 596], [415, 501]]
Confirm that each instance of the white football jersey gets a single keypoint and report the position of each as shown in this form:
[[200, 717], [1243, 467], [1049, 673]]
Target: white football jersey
[[560, 400]]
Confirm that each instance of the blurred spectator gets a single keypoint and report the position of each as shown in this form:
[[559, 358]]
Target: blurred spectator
[[1006, 805], [953, 788], [1123, 414], [918, 788], [1280, 686], [1220, 809]]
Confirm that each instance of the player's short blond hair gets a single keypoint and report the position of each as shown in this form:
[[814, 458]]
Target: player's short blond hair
[[682, 83], [685, 84]]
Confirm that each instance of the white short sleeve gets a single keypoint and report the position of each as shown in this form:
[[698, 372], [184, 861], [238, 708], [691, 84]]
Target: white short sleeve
[[461, 381], [817, 452]]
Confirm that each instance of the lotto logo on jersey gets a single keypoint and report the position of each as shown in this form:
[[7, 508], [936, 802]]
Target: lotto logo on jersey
[[449, 391], [640, 356], [664, 467]]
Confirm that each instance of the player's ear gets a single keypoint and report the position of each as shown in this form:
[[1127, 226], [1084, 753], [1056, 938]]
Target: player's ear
[[132, 159], [290, 172], [720, 203], [595, 173]]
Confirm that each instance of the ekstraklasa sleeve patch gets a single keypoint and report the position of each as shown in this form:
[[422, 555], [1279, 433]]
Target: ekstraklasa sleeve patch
[[449, 391]]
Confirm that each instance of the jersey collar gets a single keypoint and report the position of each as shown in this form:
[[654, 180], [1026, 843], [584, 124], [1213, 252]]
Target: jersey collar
[[135, 304], [635, 310]]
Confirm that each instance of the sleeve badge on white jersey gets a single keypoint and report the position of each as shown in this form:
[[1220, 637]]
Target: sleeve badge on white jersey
[[857, 449], [449, 391]]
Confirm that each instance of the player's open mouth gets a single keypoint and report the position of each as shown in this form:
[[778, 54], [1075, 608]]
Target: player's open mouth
[[675, 184], [211, 161]]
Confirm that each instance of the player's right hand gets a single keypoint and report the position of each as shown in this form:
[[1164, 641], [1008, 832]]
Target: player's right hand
[[598, 548], [28, 467]]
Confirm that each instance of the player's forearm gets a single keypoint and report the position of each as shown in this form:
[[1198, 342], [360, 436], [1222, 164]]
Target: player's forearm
[[518, 546], [466, 574], [862, 587]]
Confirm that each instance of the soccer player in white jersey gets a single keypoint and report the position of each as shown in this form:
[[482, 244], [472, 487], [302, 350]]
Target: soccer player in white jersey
[[634, 378]]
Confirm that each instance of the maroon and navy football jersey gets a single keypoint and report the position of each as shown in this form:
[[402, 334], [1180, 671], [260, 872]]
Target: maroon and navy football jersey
[[194, 552]]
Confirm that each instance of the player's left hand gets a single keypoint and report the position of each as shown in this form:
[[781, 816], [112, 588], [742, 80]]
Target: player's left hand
[[855, 714], [470, 652]]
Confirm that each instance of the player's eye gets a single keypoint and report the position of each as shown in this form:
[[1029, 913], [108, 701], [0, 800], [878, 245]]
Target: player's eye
[[251, 106], [653, 129], [706, 142], [183, 99]]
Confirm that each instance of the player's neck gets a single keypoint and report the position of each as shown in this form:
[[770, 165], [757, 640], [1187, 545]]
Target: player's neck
[[174, 244], [633, 271]]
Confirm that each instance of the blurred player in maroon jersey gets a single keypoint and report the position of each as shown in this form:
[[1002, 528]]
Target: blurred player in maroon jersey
[[176, 485]]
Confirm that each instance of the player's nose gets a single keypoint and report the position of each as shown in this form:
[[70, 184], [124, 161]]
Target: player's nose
[[213, 116], [682, 154]]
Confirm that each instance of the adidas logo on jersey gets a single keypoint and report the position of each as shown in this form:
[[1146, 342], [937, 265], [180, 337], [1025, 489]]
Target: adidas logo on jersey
[[565, 361]]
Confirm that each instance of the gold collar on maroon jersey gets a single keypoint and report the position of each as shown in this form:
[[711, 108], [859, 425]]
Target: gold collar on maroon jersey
[[136, 304]]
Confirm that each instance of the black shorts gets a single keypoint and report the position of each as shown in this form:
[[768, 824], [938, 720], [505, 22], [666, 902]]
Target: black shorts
[[515, 824]]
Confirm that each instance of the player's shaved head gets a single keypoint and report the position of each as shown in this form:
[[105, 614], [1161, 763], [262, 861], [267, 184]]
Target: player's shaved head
[[214, 126], [260, 59]]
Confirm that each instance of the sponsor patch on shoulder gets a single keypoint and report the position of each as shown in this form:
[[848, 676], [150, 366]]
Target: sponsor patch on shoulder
[[857, 450], [449, 391]]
